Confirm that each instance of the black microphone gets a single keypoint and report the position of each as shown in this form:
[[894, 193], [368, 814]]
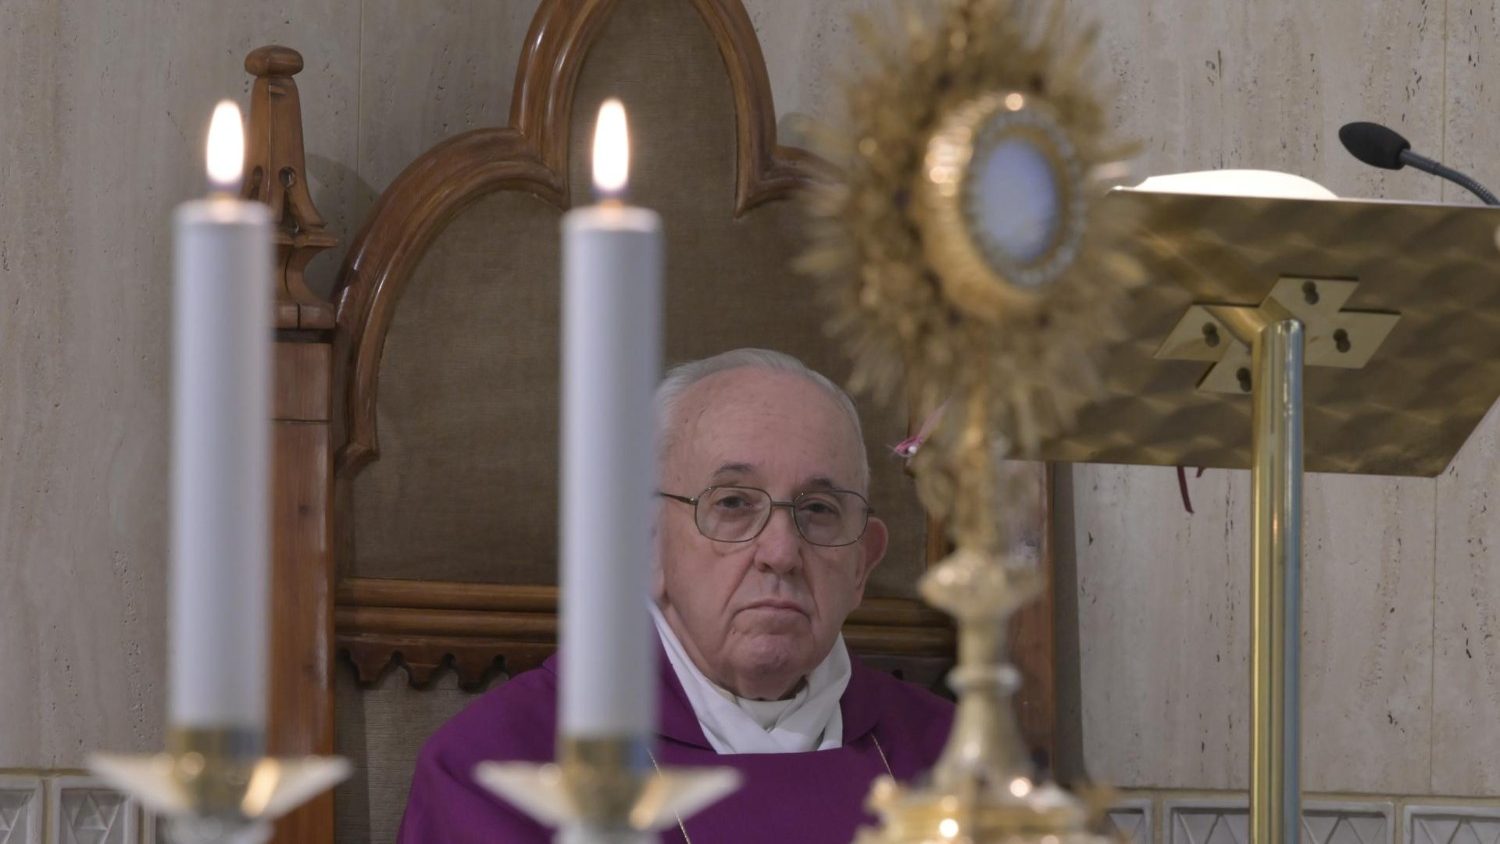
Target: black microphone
[[1380, 146]]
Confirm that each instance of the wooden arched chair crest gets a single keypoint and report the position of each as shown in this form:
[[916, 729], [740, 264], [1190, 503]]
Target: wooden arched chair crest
[[416, 452]]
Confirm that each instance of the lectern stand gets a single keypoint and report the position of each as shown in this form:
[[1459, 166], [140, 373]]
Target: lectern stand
[[1368, 330]]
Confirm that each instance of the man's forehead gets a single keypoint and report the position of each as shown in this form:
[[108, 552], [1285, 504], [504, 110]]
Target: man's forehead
[[758, 420], [746, 389], [753, 408], [730, 472]]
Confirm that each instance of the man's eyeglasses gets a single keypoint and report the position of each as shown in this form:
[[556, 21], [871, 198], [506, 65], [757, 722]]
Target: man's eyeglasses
[[826, 517]]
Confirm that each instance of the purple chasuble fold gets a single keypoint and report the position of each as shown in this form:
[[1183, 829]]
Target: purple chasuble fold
[[816, 797]]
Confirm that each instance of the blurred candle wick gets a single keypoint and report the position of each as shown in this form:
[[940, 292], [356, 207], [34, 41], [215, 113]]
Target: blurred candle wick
[[226, 149], [611, 152]]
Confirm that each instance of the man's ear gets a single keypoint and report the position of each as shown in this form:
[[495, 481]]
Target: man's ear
[[658, 573], [658, 583], [872, 546]]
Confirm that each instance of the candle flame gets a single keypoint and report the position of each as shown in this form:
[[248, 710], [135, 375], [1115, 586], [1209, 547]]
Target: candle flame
[[611, 148], [226, 147]]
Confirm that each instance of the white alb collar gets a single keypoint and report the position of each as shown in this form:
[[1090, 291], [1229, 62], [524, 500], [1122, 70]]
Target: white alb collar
[[809, 720]]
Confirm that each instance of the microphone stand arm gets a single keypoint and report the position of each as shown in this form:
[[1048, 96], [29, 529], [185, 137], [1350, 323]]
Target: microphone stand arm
[[1427, 165]]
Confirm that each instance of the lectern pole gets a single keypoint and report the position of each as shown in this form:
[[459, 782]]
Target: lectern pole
[[1276, 583]]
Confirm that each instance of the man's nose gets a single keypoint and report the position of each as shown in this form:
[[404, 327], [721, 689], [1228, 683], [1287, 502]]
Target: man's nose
[[779, 546]]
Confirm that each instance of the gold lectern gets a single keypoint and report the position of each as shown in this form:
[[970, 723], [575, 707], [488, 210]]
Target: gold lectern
[[1367, 330]]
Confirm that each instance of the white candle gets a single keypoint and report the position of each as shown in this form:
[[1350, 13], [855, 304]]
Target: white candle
[[220, 446], [612, 267]]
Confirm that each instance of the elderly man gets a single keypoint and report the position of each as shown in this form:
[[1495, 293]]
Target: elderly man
[[765, 543]]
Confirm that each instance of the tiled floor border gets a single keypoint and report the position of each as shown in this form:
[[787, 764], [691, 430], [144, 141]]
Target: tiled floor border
[[1155, 807], [45, 810], [1158, 806]]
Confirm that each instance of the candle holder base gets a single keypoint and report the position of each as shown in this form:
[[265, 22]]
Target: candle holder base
[[983, 789], [606, 790], [214, 787], [928, 815]]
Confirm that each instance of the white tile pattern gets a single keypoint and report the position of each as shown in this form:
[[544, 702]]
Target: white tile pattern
[[20, 810], [1226, 821], [84, 811], [1451, 825], [1348, 823], [1131, 820], [1206, 822]]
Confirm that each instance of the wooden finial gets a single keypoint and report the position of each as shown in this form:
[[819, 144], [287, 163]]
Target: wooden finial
[[275, 173], [273, 60]]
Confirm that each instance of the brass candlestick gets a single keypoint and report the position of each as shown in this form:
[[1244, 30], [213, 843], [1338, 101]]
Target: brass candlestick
[[983, 788], [606, 790], [216, 786]]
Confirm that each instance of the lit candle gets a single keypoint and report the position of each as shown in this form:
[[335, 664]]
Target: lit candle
[[612, 267], [220, 446]]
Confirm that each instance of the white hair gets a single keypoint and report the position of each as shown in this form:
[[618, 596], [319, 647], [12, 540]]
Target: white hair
[[683, 376]]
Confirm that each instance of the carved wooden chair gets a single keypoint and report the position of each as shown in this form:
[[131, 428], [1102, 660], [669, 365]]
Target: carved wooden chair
[[416, 452]]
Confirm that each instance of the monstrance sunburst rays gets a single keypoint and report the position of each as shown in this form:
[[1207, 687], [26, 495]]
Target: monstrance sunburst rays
[[1010, 345]]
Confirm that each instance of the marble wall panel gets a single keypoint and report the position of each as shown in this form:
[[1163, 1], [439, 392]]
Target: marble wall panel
[[1367, 633], [1466, 668], [1216, 84], [429, 71], [1162, 705], [104, 108], [1472, 92], [30, 259], [1163, 604], [1264, 85], [1466, 672], [809, 49], [1164, 629]]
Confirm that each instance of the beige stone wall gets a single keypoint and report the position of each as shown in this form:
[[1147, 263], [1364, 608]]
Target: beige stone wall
[[102, 109]]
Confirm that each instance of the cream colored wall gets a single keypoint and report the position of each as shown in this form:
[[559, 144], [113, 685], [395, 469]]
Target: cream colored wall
[[102, 114], [102, 106]]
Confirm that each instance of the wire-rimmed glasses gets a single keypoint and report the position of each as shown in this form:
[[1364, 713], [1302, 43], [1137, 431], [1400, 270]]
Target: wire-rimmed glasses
[[826, 517]]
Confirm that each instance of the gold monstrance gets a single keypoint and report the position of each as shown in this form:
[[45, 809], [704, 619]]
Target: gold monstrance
[[965, 250]]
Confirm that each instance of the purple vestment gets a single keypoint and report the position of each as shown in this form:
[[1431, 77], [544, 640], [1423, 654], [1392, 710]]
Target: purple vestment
[[816, 797]]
